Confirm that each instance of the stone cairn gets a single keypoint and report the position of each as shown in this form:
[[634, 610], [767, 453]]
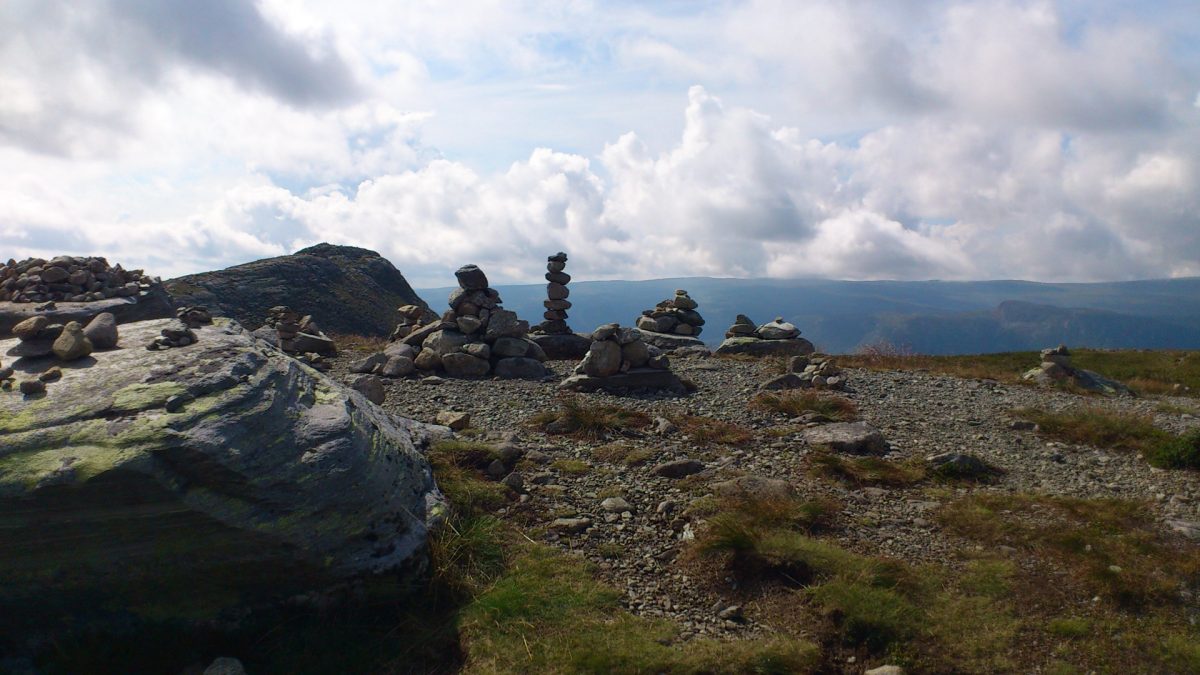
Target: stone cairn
[[553, 335], [475, 338], [815, 371], [677, 316], [298, 336], [69, 279], [619, 359], [556, 303], [1056, 370], [179, 332], [774, 338], [38, 338], [412, 317]]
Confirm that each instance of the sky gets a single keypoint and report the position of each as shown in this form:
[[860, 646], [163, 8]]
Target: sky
[[898, 139]]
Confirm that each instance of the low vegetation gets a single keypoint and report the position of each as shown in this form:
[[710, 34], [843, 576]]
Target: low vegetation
[[1148, 372], [1116, 430], [867, 470], [366, 344], [623, 453], [585, 419], [797, 403], [705, 431]]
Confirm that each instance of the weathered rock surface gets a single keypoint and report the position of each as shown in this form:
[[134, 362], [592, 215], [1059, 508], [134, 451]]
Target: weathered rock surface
[[668, 342], [346, 289], [153, 303], [268, 479], [565, 346], [756, 347], [856, 438]]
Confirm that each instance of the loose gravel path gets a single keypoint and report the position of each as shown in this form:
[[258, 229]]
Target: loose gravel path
[[919, 413]]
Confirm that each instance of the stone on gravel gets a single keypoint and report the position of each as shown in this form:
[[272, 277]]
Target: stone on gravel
[[959, 465], [371, 387], [885, 670], [457, 421], [640, 378], [678, 468], [856, 438], [784, 382], [615, 505], [1189, 529], [398, 366], [754, 487], [571, 525], [369, 364]]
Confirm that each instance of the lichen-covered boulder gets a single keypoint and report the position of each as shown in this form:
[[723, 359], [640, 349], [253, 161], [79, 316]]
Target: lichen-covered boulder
[[197, 478]]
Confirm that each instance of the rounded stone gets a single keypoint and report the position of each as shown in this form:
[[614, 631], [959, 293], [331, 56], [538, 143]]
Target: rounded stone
[[470, 277], [72, 344], [557, 291]]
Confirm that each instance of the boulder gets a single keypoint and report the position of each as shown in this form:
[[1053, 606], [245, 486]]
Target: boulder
[[460, 364], [29, 328], [856, 438], [305, 343], [563, 346], [520, 368], [669, 342], [678, 468], [370, 387], [268, 480], [778, 330], [72, 344], [603, 359], [398, 366], [504, 323], [102, 331], [754, 487], [755, 347], [509, 346], [446, 341]]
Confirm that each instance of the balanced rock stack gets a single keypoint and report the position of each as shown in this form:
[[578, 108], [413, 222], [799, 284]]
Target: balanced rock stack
[[553, 335], [672, 323], [816, 371], [476, 337], [1056, 370], [774, 338], [620, 359], [39, 339], [412, 317], [295, 334]]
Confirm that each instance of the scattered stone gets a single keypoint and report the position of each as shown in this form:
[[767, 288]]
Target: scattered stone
[[571, 525], [1189, 529], [754, 487], [515, 482], [615, 505], [679, 468], [194, 316], [960, 465], [31, 387], [457, 421], [371, 387], [102, 331], [72, 344], [856, 438], [51, 374]]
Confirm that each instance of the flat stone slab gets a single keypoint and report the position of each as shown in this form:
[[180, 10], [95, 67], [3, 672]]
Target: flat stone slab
[[855, 438], [563, 346], [667, 342], [637, 378], [210, 473], [151, 304], [756, 347]]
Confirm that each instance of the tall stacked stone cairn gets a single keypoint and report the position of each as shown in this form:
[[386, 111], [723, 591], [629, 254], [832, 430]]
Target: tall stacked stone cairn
[[1056, 370], [475, 338], [775, 338], [673, 323], [84, 286], [553, 335], [619, 359]]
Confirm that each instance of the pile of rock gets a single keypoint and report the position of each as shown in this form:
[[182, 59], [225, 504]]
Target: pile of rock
[[619, 359], [553, 335], [69, 279], [476, 337], [175, 334], [672, 323], [774, 338], [1056, 370], [816, 371], [412, 318], [38, 338], [295, 334]]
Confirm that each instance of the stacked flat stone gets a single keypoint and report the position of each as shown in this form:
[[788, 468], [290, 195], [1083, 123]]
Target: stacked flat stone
[[677, 316], [815, 371], [412, 318], [70, 279], [1056, 370], [774, 338], [619, 359], [296, 334], [475, 338], [556, 303]]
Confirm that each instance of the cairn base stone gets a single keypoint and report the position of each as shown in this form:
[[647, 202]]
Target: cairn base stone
[[637, 378], [756, 347], [563, 347], [668, 342]]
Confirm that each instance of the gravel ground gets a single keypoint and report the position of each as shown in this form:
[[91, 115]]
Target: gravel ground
[[919, 414]]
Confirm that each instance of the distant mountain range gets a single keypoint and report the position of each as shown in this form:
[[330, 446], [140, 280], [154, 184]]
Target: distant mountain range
[[928, 317]]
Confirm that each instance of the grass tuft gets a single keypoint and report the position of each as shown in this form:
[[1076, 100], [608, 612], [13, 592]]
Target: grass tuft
[[867, 470], [1103, 428], [796, 403], [584, 419], [706, 431]]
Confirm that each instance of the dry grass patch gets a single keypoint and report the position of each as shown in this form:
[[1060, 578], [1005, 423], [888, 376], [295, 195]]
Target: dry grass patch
[[704, 431], [867, 470], [587, 419], [571, 467], [1116, 430], [623, 453], [797, 403], [351, 342]]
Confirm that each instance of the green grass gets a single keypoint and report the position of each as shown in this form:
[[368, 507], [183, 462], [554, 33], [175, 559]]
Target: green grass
[[1109, 429], [1071, 627], [1145, 371], [571, 467], [585, 419], [458, 467], [797, 403]]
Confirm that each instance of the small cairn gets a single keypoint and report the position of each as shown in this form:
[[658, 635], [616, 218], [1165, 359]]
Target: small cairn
[[815, 371], [412, 318], [620, 359], [475, 338], [297, 334], [1056, 370], [38, 337], [553, 335], [69, 279], [774, 338], [673, 323]]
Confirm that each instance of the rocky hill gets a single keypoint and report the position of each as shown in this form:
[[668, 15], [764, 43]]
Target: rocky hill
[[346, 289]]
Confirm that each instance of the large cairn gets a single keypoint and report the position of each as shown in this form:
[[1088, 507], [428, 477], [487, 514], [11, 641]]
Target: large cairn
[[476, 337], [673, 323], [69, 279], [1056, 370], [553, 335], [619, 359], [774, 338]]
